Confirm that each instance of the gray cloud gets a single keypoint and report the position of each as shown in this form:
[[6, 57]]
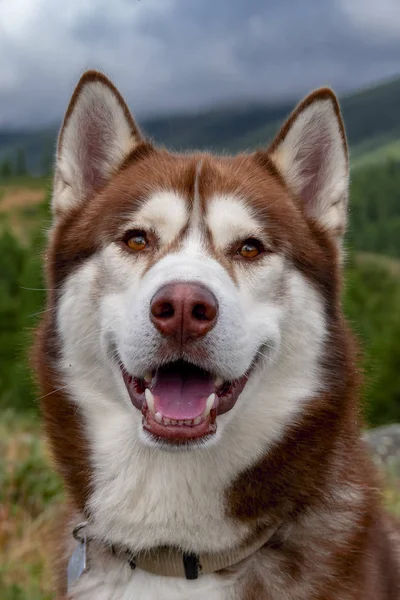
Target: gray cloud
[[171, 55]]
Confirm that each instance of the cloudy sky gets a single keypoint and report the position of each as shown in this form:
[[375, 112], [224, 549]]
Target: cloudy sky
[[172, 55]]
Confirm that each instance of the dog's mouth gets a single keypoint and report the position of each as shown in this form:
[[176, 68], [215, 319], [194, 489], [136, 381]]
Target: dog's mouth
[[180, 401]]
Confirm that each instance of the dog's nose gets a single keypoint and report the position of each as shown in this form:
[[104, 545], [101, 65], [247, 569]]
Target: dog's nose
[[184, 311]]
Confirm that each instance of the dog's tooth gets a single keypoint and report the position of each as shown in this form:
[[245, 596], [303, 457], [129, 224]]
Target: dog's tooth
[[218, 381], [150, 400], [174, 422], [158, 417], [209, 405], [148, 377], [166, 421], [181, 422], [188, 421], [197, 420]]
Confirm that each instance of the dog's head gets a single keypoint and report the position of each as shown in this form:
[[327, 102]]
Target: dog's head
[[192, 293]]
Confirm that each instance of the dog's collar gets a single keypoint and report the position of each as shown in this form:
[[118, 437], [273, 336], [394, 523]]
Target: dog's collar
[[166, 560]]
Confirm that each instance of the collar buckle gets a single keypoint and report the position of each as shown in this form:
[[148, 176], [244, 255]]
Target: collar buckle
[[191, 564]]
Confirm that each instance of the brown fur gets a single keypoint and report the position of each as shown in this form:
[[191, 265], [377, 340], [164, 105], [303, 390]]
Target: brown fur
[[320, 94], [90, 77], [334, 548]]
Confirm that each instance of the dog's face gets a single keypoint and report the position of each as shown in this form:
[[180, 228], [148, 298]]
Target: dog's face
[[190, 286], [193, 306]]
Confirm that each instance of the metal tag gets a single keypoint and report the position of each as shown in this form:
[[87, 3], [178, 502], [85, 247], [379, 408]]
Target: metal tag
[[77, 564]]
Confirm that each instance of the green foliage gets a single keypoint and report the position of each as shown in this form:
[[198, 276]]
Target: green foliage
[[6, 169], [20, 163], [372, 114], [25, 478], [17, 592], [21, 299], [372, 304], [363, 157], [15, 166], [30, 493], [375, 209]]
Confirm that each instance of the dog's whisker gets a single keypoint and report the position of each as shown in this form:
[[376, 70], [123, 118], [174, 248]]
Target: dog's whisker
[[66, 385], [31, 289]]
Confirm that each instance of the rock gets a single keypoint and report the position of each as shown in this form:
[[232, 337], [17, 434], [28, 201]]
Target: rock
[[385, 444]]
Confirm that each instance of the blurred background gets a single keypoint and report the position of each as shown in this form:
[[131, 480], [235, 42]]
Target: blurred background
[[210, 74]]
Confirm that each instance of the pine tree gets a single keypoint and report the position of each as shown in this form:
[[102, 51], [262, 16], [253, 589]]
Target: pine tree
[[6, 169], [20, 163]]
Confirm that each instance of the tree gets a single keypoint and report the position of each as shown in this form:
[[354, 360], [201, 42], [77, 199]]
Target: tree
[[6, 169], [20, 163], [47, 161]]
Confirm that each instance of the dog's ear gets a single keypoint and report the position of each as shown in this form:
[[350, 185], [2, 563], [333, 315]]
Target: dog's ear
[[310, 152], [97, 134]]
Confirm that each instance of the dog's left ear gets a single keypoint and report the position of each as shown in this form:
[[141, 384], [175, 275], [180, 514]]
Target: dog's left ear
[[311, 154]]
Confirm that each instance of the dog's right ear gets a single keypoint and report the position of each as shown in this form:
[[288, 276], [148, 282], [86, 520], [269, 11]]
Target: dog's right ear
[[97, 134]]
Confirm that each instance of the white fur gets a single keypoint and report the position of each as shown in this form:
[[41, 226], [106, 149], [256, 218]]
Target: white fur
[[144, 495], [231, 221], [316, 132], [94, 141], [167, 210], [120, 583]]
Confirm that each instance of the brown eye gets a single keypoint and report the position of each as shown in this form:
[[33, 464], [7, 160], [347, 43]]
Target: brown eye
[[136, 241], [250, 248]]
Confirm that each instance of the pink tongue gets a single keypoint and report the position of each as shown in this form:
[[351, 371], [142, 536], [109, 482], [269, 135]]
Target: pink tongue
[[181, 391]]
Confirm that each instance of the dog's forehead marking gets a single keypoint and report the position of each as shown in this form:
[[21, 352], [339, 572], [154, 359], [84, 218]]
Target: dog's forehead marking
[[194, 241], [195, 217], [230, 219], [165, 211]]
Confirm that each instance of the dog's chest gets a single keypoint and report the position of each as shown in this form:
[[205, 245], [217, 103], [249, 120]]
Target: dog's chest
[[145, 586]]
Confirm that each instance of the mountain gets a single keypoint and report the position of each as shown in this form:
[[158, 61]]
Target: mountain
[[371, 116]]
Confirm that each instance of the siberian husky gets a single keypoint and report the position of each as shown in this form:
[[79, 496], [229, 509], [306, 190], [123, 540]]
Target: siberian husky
[[199, 379]]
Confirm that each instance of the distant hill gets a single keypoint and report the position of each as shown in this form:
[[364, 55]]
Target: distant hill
[[383, 153], [372, 119]]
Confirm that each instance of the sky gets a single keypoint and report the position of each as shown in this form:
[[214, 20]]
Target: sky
[[168, 56]]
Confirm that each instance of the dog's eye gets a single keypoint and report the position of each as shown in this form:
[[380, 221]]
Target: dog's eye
[[250, 248], [136, 240]]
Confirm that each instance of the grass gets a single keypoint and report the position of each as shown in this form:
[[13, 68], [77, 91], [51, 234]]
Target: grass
[[25, 181], [391, 264], [30, 501], [30, 496], [391, 495]]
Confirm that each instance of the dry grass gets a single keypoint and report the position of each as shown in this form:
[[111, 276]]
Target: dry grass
[[20, 203], [30, 496], [14, 198], [30, 501], [392, 494]]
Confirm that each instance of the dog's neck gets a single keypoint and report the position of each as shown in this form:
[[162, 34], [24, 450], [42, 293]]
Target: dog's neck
[[321, 530], [167, 561]]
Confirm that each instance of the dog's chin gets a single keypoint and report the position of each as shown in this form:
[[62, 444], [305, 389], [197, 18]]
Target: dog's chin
[[180, 402]]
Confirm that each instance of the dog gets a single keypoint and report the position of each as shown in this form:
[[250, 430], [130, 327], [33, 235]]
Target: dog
[[199, 381]]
